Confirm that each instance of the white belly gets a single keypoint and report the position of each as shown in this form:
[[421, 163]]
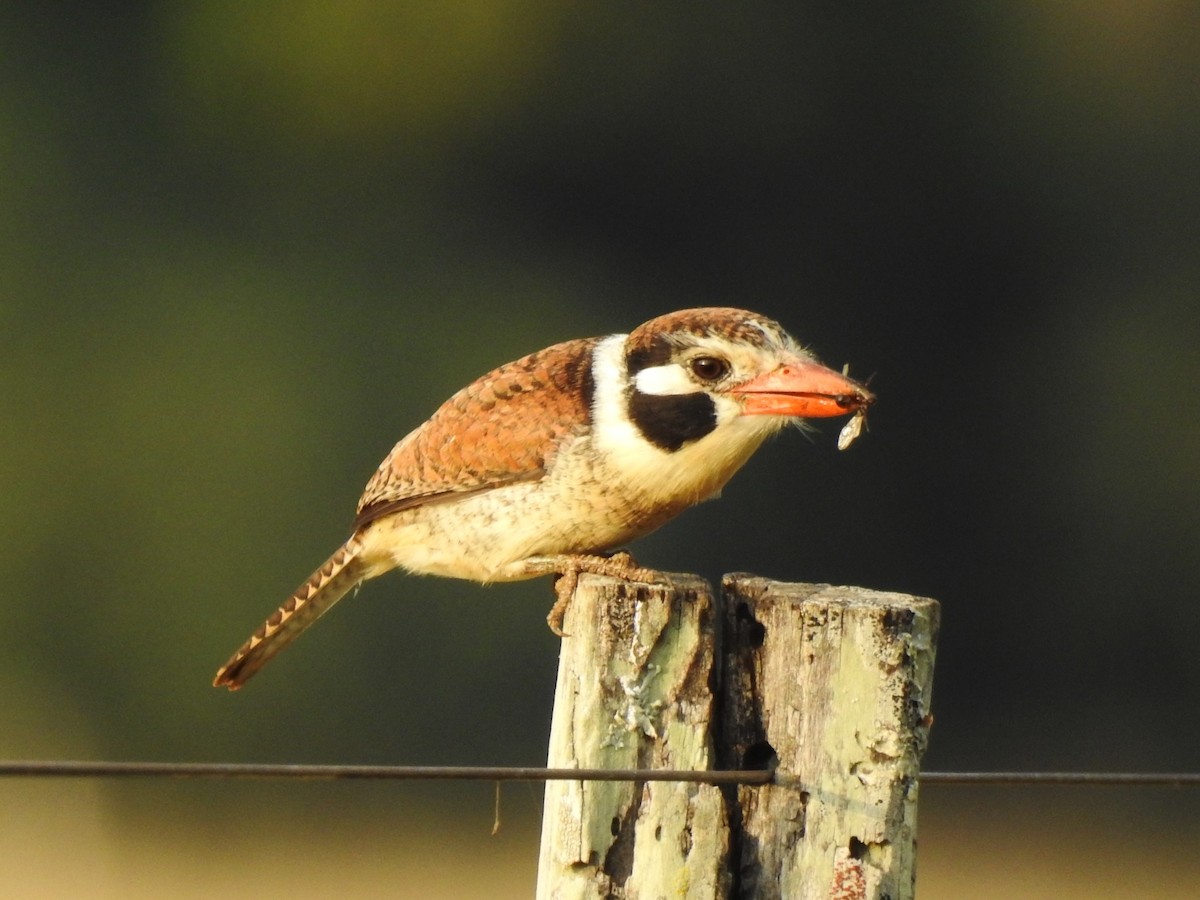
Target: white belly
[[487, 536]]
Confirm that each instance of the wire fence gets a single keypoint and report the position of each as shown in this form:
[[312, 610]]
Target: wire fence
[[100, 769]]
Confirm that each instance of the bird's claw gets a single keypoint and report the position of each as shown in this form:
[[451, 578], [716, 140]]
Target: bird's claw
[[620, 565]]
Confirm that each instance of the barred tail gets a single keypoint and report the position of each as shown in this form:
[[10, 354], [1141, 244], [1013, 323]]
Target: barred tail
[[324, 587]]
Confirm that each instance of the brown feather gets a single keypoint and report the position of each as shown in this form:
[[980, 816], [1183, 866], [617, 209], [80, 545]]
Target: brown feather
[[502, 428], [737, 325], [323, 588]]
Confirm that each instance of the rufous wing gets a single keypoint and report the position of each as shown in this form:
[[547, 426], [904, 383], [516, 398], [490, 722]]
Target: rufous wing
[[502, 428]]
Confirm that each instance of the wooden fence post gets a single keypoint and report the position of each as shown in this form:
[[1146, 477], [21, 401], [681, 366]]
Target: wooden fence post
[[634, 691], [831, 685]]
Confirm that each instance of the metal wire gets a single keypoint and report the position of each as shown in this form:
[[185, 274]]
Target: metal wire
[[84, 769], [1087, 779], [88, 769]]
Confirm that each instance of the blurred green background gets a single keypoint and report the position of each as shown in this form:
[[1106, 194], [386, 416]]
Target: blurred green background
[[244, 248]]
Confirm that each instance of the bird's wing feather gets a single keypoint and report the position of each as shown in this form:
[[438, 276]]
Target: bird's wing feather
[[503, 428]]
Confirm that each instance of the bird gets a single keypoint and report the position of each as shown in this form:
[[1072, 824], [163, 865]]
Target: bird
[[552, 463]]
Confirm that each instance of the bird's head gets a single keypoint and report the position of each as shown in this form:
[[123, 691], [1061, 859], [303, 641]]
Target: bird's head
[[698, 371]]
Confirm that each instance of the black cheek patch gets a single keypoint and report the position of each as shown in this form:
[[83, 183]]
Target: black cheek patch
[[669, 421]]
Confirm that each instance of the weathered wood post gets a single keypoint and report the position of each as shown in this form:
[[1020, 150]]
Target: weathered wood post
[[829, 685], [832, 685], [634, 691]]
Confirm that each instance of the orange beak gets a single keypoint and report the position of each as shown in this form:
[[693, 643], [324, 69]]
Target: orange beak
[[804, 389]]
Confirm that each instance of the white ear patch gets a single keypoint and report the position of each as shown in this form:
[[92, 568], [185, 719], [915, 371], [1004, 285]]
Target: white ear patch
[[665, 380]]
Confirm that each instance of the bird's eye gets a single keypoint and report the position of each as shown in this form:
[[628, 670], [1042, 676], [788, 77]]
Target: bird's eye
[[709, 368]]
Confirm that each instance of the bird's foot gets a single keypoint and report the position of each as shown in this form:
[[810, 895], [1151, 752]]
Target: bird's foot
[[569, 568]]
